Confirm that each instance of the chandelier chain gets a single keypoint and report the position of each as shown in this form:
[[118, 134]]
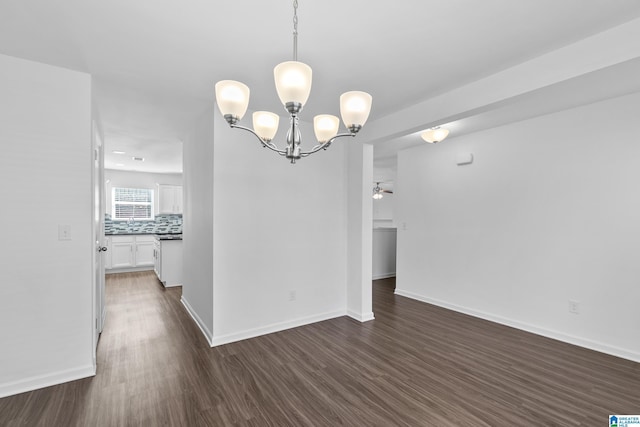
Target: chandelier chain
[[295, 30]]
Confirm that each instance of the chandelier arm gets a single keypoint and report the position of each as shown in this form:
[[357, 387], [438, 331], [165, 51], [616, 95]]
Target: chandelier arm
[[325, 145], [314, 150], [271, 146]]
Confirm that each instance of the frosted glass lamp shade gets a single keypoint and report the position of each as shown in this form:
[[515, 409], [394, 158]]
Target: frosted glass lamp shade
[[354, 108], [293, 82], [326, 127], [377, 196], [265, 124], [232, 98], [435, 135]]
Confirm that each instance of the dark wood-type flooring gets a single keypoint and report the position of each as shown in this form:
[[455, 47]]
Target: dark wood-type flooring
[[415, 365]]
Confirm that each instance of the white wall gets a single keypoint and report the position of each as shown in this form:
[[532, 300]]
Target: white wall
[[278, 228], [385, 172], [384, 237], [384, 233], [266, 241], [383, 209], [197, 229], [384, 253], [548, 212], [46, 301], [130, 179]]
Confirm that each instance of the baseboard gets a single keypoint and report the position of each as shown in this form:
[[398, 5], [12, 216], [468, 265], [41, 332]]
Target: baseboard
[[203, 328], [383, 276], [361, 317], [570, 339], [42, 381], [275, 327], [128, 269]]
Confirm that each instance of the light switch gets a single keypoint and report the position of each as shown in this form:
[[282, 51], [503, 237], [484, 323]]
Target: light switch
[[64, 232]]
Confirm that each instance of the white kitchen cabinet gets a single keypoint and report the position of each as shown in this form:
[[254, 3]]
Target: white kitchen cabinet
[[168, 262], [144, 251], [156, 257], [179, 196], [131, 251], [169, 199], [122, 251]]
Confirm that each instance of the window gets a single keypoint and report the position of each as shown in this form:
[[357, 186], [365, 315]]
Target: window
[[132, 203]]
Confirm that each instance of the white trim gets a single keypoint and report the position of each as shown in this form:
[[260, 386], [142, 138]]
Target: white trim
[[205, 331], [383, 276], [128, 269], [556, 335], [364, 317], [175, 285], [275, 327], [47, 380], [104, 318]]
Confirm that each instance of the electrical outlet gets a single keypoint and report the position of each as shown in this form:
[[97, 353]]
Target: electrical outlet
[[404, 226], [574, 307], [292, 295]]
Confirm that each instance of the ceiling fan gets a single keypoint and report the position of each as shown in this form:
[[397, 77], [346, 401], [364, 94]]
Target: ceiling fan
[[378, 191]]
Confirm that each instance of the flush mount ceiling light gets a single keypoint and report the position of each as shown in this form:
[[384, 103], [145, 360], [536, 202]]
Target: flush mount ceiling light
[[293, 84], [435, 134]]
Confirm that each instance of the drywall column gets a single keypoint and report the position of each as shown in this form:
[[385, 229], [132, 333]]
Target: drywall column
[[46, 169], [197, 230], [359, 230]]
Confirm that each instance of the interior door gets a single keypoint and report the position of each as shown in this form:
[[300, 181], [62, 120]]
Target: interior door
[[98, 226]]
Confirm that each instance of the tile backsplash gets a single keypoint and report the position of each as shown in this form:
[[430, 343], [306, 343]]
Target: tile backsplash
[[166, 223]]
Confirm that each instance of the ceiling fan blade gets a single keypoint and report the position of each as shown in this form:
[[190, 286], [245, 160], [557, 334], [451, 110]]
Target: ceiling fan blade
[[387, 191]]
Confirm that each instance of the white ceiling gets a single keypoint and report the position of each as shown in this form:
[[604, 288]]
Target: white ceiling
[[155, 62]]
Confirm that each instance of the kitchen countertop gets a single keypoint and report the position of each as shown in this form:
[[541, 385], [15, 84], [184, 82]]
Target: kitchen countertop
[[165, 236], [169, 236], [137, 233]]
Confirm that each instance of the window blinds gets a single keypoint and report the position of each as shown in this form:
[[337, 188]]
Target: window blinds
[[133, 203]]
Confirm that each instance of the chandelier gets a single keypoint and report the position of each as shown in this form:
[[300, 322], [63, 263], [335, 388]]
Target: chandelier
[[293, 84]]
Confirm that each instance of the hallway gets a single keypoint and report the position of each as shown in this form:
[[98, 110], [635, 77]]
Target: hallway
[[416, 364]]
